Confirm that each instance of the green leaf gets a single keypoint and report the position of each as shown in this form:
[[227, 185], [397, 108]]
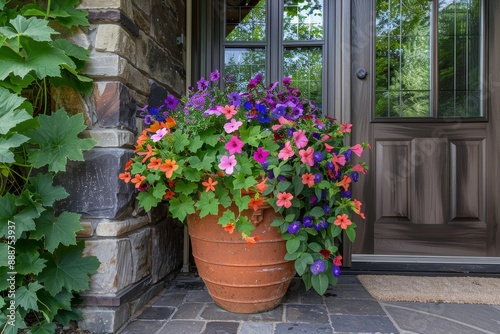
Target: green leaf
[[44, 328], [283, 185], [181, 206], [10, 115], [50, 305], [7, 211], [34, 28], [48, 192], [147, 200], [242, 182], [185, 187], [292, 245], [6, 156], [320, 283], [181, 140], [317, 212], [195, 144], [241, 202], [298, 186], [314, 246], [64, 317], [27, 263], [226, 218], [277, 222], [207, 204], [57, 231], [72, 49], [159, 190], [351, 233], [68, 269], [26, 297], [70, 78], [300, 266], [244, 225], [58, 141]]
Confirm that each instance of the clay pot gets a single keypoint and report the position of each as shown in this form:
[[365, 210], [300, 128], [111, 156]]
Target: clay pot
[[241, 279]]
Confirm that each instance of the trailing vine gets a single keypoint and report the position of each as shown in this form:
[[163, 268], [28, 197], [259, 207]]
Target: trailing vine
[[42, 267]]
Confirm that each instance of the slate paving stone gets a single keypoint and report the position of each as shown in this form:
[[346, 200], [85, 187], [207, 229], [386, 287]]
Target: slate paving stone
[[306, 313], [157, 313], [181, 327], [143, 327], [199, 296], [297, 328], [362, 324], [310, 297], [221, 328], [256, 328], [170, 299], [355, 307], [189, 311], [213, 312], [419, 322], [347, 291]]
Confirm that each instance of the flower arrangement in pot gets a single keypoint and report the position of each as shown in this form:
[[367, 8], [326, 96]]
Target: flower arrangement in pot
[[224, 152]]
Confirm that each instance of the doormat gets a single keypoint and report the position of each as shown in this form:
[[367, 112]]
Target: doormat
[[460, 290]]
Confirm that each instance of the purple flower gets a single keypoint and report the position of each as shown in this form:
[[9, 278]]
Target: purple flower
[[318, 177], [345, 194], [294, 227], [234, 98], [316, 135], [354, 176], [347, 154], [307, 221], [263, 118], [330, 166], [317, 267], [317, 156], [260, 155], [336, 271], [202, 84], [247, 105], [171, 102], [214, 76], [326, 208], [317, 227], [281, 178], [323, 224], [265, 165], [279, 111], [287, 82], [148, 119]]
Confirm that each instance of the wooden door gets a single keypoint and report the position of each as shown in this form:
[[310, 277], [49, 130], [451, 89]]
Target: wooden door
[[433, 184]]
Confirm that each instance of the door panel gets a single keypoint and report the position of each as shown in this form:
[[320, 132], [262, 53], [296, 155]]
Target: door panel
[[431, 187]]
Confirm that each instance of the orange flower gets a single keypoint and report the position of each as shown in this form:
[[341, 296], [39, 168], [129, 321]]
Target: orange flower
[[255, 203], [262, 186], [308, 178], [171, 184], [169, 194], [250, 240], [169, 166], [209, 184], [128, 164], [229, 228], [125, 177], [146, 154], [357, 208], [169, 123], [138, 178], [343, 221], [142, 139], [345, 182], [154, 163]]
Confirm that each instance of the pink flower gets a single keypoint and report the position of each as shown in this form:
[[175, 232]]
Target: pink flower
[[306, 156], [228, 111], [284, 199], [286, 152], [234, 145], [300, 139], [159, 134], [359, 168], [213, 111], [260, 155], [227, 163], [338, 260], [357, 149], [338, 160], [282, 121], [232, 126], [345, 127], [308, 179]]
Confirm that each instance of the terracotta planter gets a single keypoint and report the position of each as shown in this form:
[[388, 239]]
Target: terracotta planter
[[241, 279]]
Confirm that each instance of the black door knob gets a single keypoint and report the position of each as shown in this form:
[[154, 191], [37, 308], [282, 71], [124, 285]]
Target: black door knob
[[361, 73]]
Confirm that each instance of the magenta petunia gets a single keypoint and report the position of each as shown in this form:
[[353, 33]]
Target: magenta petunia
[[234, 145], [300, 139], [260, 155]]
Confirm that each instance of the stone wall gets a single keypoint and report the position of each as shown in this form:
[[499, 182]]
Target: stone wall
[[135, 60]]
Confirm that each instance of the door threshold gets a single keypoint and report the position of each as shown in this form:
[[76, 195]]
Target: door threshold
[[425, 259], [424, 265]]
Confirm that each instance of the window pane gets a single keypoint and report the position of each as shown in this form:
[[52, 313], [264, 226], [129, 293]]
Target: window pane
[[243, 64], [303, 20], [459, 58], [403, 58], [304, 66], [246, 20]]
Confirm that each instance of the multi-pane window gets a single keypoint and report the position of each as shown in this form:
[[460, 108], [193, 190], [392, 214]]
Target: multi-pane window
[[276, 38], [428, 58]]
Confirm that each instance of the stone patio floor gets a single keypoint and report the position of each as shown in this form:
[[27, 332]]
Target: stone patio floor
[[186, 307]]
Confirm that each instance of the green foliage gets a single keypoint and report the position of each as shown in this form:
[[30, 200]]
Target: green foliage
[[47, 268]]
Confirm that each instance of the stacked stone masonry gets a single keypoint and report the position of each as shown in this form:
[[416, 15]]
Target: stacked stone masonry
[[134, 60]]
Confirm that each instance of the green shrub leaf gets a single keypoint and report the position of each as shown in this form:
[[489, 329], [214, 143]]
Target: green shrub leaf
[[56, 231], [6, 156], [34, 28], [58, 140], [42, 184], [26, 297], [10, 115]]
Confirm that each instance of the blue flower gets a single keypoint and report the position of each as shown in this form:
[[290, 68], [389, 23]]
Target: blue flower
[[347, 155], [317, 156], [235, 99], [318, 177], [336, 271], [317, 267], [279, 111], [263, 118], [316, 135], [354, 176], [307, 221], [248, 105], [326, 208], [345, 194], [294, 227]]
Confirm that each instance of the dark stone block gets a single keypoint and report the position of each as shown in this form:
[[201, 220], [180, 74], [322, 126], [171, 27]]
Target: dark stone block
[[306, 313], [292, 328], [114, 106], [93, 185], [364, 324], [221, 328], [157, 95], [143, 326], [157, 313]]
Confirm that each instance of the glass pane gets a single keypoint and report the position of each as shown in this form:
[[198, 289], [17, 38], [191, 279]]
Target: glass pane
[[246, 20], [403, 58], [459, 58], [303, 20], [243, 64], [305, 66]]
